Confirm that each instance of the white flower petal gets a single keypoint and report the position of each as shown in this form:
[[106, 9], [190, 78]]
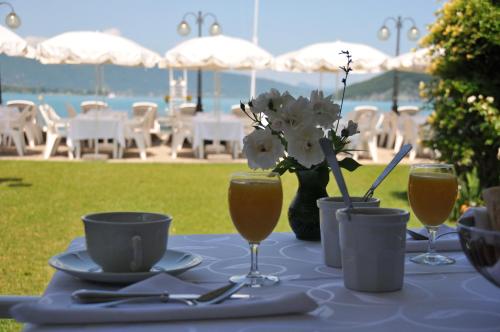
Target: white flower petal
[[262, 149], [303, 145]]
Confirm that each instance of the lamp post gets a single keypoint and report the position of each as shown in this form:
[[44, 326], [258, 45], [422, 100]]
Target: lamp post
[[13, 21], [384, 34], [184, 29]]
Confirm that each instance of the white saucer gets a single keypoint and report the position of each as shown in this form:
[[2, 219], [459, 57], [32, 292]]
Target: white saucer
[[79, 264]]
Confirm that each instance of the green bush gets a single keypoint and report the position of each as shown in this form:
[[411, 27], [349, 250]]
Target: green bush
[[465, 93]]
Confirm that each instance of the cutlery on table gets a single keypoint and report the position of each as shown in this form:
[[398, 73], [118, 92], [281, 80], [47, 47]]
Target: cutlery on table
[[331, 158], [98, 298], [394, 162]]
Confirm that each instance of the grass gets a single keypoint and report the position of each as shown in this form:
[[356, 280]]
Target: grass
[[41, 204]]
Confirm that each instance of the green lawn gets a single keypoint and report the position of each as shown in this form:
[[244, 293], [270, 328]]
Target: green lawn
[[41, 204]]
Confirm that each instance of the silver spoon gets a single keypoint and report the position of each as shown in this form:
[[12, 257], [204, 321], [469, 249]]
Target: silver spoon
[[331, 158], [394, 162], [103, 299]]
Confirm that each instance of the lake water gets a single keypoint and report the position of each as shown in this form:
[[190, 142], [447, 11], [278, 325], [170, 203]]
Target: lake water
[[59, 101]]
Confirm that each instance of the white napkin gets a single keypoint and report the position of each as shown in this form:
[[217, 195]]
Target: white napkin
[[58, 308], [445, 243]]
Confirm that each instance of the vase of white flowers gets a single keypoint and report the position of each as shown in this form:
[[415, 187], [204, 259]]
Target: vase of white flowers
[[303, 212], [286, 138]]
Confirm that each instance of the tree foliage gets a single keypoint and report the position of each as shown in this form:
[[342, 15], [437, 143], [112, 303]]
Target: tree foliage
[[466, 92]]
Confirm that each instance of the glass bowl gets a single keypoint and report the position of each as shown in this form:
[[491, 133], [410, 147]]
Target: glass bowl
[[482, 248]]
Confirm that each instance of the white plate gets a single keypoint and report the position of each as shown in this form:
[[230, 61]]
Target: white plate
[[79, 264]]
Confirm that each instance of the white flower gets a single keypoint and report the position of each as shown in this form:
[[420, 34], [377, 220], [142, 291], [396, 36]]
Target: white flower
[[271, 101], [303, 145], [262, 149], [351, 129], [471, 99], [490, 99], [294, 114], [324, 110]]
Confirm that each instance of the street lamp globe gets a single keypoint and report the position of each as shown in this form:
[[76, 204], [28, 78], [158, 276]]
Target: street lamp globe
[[384, 33], [413, 33], [215, 29], [183, 28], [12, 20]]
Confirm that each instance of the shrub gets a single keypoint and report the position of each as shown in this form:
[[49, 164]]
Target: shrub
[[465, 93]]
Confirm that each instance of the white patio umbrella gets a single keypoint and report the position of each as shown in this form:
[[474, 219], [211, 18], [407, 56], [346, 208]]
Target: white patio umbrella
[[13, 45], [217, 53], [416, 61], [326, 57], [95, 48]]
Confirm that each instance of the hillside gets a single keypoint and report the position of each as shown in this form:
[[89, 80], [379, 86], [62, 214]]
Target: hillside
[[30, 76], [380, 87], [25, 75]]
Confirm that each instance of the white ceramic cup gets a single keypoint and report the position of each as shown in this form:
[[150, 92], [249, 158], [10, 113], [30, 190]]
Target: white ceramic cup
[[329, 225], [372, 241], [126, 241]]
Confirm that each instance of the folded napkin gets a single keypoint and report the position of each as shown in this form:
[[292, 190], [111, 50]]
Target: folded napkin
[[58, 308], [446, 243]]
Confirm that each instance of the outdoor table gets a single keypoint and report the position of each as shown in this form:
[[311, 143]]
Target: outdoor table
[[217, 127], [95, 125], [446, 298]]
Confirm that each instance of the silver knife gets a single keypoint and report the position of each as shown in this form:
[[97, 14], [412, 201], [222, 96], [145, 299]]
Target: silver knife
[[99, 296], [331, 158]]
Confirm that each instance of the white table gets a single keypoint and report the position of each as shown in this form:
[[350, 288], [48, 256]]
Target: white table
[[449, 298], [95, 125], [221, 127]]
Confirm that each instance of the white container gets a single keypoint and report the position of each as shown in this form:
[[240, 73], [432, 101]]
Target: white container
[[372, 241], [329, 225]]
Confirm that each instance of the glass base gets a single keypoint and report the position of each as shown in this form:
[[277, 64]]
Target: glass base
[[432, 259], [260, 280]]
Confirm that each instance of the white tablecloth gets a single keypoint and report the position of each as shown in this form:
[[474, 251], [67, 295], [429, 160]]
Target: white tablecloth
[[225, 127], [98, 125], [446, 298]]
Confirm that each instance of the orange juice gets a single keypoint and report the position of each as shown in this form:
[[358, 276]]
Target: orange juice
[[432, 196], [255, 206]]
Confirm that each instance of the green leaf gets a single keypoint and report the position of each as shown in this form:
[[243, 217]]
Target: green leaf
[[349, 164]]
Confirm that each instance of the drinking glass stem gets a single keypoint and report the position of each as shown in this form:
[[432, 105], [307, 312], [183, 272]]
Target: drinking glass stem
[[432, 238], [254, 252]]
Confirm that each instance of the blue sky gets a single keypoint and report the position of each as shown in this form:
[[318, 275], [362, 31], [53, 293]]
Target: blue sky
[[284, 25]]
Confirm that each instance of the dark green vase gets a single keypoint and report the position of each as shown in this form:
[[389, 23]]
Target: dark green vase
[[303, 213]]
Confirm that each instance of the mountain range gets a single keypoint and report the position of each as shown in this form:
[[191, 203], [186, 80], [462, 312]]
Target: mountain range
[[30, 76]]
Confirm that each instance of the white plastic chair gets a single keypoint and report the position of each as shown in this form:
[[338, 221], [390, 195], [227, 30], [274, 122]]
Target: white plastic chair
[[31, 128], [93, 105], [182, 126], [140, 109], [411, 110], [14, 131], [137, 129], [408, 132], [389, 130], [369, 121], [57, 129]]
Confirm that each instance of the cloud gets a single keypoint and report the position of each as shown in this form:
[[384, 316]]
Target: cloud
[[113, 31]]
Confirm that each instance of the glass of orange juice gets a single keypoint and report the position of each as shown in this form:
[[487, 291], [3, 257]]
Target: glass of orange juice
[[432, 191], [255, 200]]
